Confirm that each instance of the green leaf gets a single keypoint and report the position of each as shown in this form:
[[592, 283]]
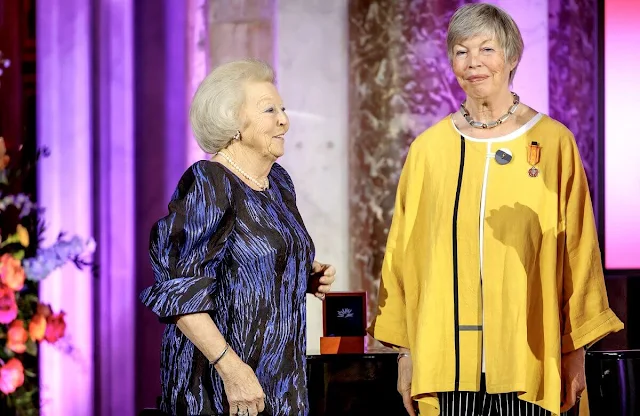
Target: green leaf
[[10, 354], [22, 399], [29, 373], [10, 240], [19, 255], [32, 348], [31, 297]]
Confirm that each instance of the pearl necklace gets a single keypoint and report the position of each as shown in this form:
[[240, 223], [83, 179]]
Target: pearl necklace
[[261, 186], [491, 124]]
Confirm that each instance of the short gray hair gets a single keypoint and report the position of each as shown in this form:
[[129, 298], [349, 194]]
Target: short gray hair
[[215, 108], [481, 18]]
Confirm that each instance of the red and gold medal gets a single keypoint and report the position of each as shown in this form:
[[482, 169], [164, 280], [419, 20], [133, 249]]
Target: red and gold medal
[[533, 157]]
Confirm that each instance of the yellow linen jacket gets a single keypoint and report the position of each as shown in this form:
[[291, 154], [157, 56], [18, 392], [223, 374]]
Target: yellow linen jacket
[[494, 263]]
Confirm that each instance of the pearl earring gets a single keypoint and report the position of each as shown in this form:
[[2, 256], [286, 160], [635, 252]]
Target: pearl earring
[[237, 135]]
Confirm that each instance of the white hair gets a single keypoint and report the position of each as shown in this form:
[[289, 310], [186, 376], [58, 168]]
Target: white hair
[[486, 19], [215, 108]]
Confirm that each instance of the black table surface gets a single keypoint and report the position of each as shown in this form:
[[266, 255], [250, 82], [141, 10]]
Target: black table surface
[[370, 355], [365, 384], [616, 354], [354, 384], [613, 382]]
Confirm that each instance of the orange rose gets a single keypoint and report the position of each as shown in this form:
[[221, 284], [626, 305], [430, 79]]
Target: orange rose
[[11, 376], [8, 307], [17, 337], [11, 272], [55, 327], [37, 327]]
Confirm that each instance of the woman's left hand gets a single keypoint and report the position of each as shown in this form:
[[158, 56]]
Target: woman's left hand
[[573, 378], [322, 277]]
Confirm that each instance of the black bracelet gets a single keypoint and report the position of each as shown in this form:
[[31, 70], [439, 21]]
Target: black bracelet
[[213, 363]]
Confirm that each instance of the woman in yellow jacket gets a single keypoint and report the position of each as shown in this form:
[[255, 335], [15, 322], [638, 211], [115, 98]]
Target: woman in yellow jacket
[[492, 283]]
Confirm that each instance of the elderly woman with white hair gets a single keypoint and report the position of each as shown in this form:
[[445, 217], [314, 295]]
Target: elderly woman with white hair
[[233, 260], [492, 284]]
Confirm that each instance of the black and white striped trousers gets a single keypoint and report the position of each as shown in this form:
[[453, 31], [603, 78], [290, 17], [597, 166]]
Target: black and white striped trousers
[[483, 404]]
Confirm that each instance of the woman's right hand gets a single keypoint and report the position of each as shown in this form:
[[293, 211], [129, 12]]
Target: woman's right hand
[[241, 386], [405, 372]]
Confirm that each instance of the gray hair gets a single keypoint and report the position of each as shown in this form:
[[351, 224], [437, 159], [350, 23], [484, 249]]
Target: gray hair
[[215, 108], [486, 19]]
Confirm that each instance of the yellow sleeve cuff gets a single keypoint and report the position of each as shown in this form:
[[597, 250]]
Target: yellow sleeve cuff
[[389, 335], [591, 331]]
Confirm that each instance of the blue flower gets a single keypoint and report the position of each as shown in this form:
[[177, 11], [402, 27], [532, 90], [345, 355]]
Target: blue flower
[[20, 201], [57, 255]]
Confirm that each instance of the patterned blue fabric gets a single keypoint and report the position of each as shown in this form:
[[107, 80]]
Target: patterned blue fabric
[[244, 257]]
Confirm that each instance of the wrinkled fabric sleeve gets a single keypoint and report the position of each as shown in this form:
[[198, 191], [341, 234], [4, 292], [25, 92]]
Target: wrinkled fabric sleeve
[[587, 316], [187, 245], [389, 326]]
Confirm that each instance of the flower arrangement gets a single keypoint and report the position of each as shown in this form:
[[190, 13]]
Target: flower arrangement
[[25, 321]]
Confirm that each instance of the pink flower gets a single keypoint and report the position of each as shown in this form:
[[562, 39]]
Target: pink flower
[[11, 376], [8, 307], [55, 327]]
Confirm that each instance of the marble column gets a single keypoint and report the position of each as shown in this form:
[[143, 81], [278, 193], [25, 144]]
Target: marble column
[[307, 48], [311, 66], [240, 29], [532, 80], [400, 83], [573, 77], [575, 71], [219, 31]]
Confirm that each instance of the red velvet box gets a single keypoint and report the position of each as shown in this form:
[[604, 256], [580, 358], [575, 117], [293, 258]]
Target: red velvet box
[[344, 320]]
